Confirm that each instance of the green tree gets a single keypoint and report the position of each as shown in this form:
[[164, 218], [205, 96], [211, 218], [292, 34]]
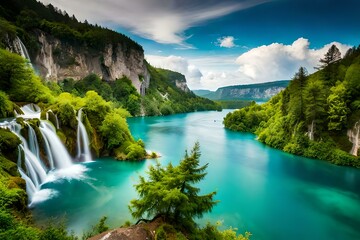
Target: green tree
[[114, 130], [296, 87], [332, 55], [6, 106], [338, 109], [170, 192], [314, 97]]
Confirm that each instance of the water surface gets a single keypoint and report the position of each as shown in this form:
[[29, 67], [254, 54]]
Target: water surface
[[270, 193]]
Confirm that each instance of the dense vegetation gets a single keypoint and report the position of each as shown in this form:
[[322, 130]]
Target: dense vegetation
[[26, 19], [164, 98], [105, 106], [30, 15], [312, 115], [170, 193], [104, 120], [234, 104]]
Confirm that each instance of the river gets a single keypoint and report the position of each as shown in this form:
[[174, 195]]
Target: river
[[272, 194]]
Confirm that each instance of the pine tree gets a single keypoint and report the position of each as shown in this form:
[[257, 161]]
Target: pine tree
[[332, 55], [315, 101], [297, 91], [169, 192]]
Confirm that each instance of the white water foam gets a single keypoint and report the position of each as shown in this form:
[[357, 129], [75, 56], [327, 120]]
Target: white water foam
[[43, 195], [75, 172]]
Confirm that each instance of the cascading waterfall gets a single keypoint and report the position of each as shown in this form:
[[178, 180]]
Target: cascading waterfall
[[55, 116], [310, 132], [33, 142], [353, 135], [83, 151], [60, 156], [34, 166], [60, 162], [21, 49]]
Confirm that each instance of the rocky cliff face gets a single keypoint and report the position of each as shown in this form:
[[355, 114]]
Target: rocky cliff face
[[56, 60], [256, 93], [182, 85]]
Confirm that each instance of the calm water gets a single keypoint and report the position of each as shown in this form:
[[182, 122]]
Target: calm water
[[272, 194]]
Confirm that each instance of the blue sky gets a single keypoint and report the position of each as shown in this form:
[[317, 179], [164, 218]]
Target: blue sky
[[229, 42]]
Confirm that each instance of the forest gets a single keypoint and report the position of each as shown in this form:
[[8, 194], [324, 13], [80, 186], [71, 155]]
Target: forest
[[315, 116]]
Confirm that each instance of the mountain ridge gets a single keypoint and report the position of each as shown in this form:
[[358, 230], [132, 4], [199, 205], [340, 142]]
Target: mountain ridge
[[256, 91]]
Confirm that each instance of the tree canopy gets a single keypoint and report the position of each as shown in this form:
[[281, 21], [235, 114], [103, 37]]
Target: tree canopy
[[170, 192], [332, 55]]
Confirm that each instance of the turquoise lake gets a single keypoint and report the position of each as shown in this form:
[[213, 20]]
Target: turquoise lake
[[272, 194]]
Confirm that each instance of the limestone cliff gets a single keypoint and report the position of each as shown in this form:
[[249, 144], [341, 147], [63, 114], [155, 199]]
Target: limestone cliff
[[260, 91], [56, 60]]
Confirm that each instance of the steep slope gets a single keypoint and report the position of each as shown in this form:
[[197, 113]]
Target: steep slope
[[260, 91], [168, 93], [316, 116], [60, 47], [82, 57]]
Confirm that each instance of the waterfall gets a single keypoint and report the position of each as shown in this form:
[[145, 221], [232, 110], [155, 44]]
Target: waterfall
[[58, 152], [30, 111], [353, 135], [35, 168], [55, 116], [35, 173], [21, 49], [33, 142], [310, 132], [83, 151], [30, 187]]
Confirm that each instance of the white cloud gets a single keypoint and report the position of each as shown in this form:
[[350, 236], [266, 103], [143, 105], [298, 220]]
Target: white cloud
[[278, 61], [159, 20], [217, 70], [227, 42], [178, 64], [262, 64]]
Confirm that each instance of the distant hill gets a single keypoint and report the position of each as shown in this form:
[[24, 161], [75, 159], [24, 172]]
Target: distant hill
[[259, 91], [202, 92]]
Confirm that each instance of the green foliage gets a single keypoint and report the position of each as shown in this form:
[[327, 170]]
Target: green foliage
[[234, 104], [135, 151], [163, 96], [18, 80], [212, 232], [56, 232], [67, 114], [312, 115], [90, 82], [170, 192], [121, 91], [332, 55], [7, 30], [114, 130], [96, 108], [352, 80], [246, 119], [31, 15], [338, 109], [6, 106], [314, 99], [100, 227], [8, 142]]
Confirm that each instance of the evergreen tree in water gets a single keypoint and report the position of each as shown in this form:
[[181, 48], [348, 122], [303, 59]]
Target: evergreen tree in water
[[170, 192]]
